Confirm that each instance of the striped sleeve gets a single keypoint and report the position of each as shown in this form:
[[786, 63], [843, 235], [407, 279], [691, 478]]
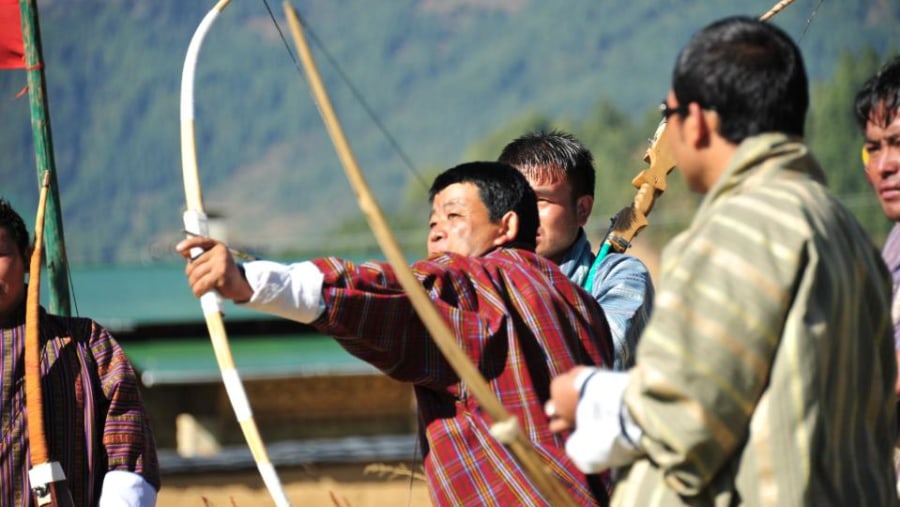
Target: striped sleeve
[[706, 356], [127, 437]]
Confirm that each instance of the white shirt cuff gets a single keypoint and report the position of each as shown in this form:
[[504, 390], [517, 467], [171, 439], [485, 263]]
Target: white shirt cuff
[[291, 291], [605, 436], [126, 489]]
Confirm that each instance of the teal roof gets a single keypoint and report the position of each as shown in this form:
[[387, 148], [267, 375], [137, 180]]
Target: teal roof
[[191, 360], [122, 298]]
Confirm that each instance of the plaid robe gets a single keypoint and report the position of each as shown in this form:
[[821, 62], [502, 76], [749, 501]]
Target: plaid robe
[[518, 318]]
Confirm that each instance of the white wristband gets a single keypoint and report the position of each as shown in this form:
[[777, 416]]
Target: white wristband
[[598, 442], [291, 291]]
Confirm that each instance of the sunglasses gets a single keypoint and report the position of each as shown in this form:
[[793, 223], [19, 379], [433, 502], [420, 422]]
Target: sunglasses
[[667, 111]]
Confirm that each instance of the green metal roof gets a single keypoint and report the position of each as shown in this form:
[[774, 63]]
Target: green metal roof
[[191, 360], [123, 298]]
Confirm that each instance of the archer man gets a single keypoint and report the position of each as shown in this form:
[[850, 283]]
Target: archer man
[[514, 314]]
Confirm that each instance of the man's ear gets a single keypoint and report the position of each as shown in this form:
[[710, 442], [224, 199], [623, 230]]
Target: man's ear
[[692, 125], [508, 229], [704, 124], [583, 206]]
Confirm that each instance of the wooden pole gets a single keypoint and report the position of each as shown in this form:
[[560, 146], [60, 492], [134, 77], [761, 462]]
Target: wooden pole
[[57, 266]]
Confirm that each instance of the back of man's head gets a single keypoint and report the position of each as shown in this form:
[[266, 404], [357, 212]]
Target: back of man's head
[[546, 157], [748, 71], [14, 225], [502, 189], [879, 98]]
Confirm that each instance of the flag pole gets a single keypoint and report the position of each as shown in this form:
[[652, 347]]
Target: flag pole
[[57, 266]]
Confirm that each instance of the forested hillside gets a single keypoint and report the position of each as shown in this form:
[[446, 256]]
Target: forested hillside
[[449, 81]]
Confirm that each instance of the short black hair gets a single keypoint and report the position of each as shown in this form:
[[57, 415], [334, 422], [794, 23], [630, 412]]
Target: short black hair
[[501, 188], [880, 90], [750, 72], [15, 227], [538, 154]]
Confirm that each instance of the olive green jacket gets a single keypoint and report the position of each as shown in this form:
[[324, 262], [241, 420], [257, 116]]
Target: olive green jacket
[[765, 375]]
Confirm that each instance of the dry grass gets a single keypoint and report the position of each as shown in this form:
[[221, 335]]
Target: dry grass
[[374, 485], [394, 471]]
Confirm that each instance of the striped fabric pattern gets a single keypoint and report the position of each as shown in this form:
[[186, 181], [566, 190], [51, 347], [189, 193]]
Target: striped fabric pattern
[[93, 412], [891, 255], [765, 374], [517, 317], [622, 287]]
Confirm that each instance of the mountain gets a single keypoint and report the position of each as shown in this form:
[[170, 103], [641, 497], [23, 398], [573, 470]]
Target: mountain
[[440, 76]]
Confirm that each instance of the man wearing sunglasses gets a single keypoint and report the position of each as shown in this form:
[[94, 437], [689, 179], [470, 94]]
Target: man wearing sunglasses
[[765, 375]]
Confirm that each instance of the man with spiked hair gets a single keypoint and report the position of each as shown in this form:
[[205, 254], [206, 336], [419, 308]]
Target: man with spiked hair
[[561, 171], [877, 109]]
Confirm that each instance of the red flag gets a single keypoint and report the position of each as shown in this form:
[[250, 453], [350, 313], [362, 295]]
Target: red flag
[[12, 48]]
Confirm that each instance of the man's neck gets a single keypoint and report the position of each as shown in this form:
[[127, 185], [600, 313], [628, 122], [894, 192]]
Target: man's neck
[[14, 317], [718, 157]]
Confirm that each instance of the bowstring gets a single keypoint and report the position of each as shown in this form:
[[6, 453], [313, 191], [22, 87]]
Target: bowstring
[[383, 130], [809, 20], [353, 89]]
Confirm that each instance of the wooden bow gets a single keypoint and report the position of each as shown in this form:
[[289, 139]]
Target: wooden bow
[[651, 183], [775, 9], [47, 478], [505, 428], [196, 223]]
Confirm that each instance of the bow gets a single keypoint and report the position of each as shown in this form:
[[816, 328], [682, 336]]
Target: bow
[[651, 183], [195, 222], [775, 9], [505, 428], [47, 478]]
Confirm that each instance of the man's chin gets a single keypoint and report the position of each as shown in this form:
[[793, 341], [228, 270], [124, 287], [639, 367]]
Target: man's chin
[[891, 210], [556, 257]]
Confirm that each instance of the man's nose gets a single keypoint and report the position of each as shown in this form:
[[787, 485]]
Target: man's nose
[[887, 160], [436, 234]]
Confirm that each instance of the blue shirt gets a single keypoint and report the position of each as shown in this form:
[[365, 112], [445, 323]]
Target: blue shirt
[[622, 287]]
